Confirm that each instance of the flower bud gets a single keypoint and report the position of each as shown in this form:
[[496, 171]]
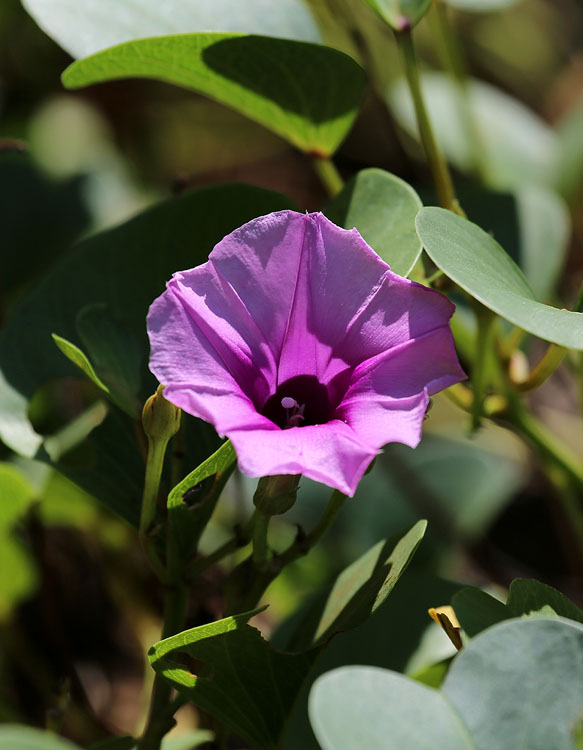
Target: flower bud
[[160, 418], [277, 494]]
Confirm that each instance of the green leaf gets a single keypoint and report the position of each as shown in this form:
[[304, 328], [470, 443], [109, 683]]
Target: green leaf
[[387, 639], [18, 576], [381, 710], [258, 707], [400, 14], [240, 680], [476, 610], [17, 494], [40, 219], [192, 501], [363, 586], [527, 596], [518, 684], [383, 208], [306, 93], [514, 687], [518, 147], [477, 263], [116, 352], [17, 737], [124, 268], [79, 358], [83, 27]]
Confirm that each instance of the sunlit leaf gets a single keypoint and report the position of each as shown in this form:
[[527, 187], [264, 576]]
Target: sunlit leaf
[[17, 737], [383, 208], [307, 93], [475, 261]]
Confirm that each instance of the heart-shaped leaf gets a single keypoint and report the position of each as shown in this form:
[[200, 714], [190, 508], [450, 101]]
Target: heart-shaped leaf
[[83, 27], [306, 93], [383, 208], [477, 263]]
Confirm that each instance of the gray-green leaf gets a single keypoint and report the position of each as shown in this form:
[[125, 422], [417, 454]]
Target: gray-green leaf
[[477, 263], [383, 208]]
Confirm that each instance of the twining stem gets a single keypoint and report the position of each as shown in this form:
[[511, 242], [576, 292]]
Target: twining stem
[[328, 174], [160, 719], [453, 61], [437, 164]]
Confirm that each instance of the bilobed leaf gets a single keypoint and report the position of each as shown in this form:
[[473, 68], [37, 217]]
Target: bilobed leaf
[[517, 147], [378, 709], [124, 268], [383, 208], [517, 686], [363, 586], [400, 14], [477, 263], [527, 596], [83, 27], [306, 93]]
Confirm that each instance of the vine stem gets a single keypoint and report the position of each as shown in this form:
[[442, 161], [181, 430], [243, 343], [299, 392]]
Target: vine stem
[[439, 169], [328, 174], [259, 538], [453, 62], [159, 719]]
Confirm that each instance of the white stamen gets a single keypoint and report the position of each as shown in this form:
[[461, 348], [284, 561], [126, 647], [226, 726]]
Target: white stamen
[[289, 403]]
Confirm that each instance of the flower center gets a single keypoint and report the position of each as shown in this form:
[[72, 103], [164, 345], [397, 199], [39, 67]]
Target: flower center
[[299, 401]]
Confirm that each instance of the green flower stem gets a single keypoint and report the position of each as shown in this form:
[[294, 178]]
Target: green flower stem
[[259, 538], [438, 165], [154, 465], [328, 174], [453, 61], [484, 339], [544, 368], [160, 719]]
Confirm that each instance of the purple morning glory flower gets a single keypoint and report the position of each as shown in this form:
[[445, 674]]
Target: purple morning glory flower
[[297, 342]]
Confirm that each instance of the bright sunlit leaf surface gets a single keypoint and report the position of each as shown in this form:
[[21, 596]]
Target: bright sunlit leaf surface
[[307, 93]]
